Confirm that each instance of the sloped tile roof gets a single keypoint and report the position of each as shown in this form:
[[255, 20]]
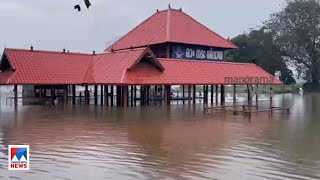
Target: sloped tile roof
[[46, 67], [197, 73], [128, 67], [171, 26]]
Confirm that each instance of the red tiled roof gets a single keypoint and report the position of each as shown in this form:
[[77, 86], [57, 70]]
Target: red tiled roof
[[136, 66], [46, 67], [171, 26], [196, 73], [110, 68]]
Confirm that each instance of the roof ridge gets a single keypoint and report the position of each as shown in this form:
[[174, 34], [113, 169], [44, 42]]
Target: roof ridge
[[90, 66], [123, 50], [48, 51], [133, 29], [209, 29], [168, 29]]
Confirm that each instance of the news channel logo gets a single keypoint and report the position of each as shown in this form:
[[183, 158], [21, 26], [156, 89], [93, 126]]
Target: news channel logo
[[18, 157]]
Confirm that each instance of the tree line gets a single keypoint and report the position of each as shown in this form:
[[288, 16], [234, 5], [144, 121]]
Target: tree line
[[290, 38]]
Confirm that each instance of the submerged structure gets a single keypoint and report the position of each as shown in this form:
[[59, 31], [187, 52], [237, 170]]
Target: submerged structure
[[169, 48]]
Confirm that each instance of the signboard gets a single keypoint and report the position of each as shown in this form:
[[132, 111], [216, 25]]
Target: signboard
[[196, 52]]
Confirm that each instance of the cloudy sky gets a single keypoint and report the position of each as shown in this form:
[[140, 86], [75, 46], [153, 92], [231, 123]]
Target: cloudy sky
[[54, 24]]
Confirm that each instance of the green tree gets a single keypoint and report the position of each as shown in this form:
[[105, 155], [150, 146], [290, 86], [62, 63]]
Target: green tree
[[296, 31], [258, 47]]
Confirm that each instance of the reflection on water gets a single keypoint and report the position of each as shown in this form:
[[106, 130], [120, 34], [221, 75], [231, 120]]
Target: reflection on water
[[155, 143]]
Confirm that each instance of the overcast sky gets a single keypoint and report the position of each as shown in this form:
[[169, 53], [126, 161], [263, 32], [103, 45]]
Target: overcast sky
[[54, 24]]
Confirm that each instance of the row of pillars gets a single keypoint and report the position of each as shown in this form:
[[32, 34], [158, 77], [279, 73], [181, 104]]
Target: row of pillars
[[122, 95]]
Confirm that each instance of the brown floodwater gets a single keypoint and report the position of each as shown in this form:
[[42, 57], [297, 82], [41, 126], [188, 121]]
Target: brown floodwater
[[157, 143]]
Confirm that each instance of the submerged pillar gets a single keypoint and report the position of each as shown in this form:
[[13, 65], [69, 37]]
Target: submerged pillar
[[15, 90], [135, 96], [223, 100], [131, 95], [183, 94], [211, 95], [106, 95], [234, 95], [271, 97], [112, 96], [65, 99], [101, 95], [257, 97], [204, 94], [95, 94], [249, 96], [142, 96], [167, 95], [207, 94], [86, 95], [119, 96], [194, 94], [217, 95], [189, 94], [125, 96], [73, 94], [53, 95]]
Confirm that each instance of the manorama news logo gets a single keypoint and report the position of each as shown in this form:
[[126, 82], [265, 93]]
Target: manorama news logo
[[18, 157]]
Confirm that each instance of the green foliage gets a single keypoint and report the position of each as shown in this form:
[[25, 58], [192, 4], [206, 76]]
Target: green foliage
[[258, 47], [296, 31]]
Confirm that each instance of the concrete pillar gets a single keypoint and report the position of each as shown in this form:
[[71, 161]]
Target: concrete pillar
[[249, 96], [135, 96], [73, 94], [86, 95], [106, 95], [15, 90], [222, 95], [207, 94], [95, 95], [112, 96], [65, 95], [101, 95], [167, 96], [211, 95], [189, 94], [125, 96], [119, 96], [271, 97], [53, 95], [132, 96], [142, 96], [217, 95], [147, 95], [204, 94], [257, 97], [234, 95], [194, 94], [182, 94]]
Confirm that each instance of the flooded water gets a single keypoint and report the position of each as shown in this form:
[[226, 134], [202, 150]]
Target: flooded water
[[157, 143]]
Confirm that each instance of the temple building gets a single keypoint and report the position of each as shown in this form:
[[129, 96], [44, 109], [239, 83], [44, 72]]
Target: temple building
[[169, 48]]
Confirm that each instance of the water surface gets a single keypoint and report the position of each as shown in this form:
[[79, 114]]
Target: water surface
[[157, 143]]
